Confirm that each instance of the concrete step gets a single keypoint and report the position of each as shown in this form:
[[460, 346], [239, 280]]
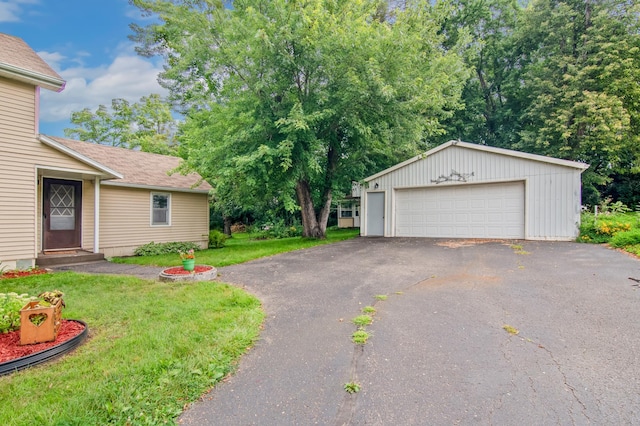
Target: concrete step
[[67, 258]]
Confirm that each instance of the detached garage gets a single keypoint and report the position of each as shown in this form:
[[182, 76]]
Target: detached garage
[[464, 190]]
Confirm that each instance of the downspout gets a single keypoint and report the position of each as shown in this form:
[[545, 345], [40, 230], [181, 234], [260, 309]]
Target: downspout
[[96, 216]]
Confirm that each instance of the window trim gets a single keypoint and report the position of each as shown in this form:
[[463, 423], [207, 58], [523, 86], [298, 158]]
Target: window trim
[[151, 222]]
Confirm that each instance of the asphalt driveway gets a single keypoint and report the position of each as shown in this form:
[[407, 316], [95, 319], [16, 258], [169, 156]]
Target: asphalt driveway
[[438, 353]]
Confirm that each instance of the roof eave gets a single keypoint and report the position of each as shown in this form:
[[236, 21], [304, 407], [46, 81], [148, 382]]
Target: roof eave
[[494, 150], [108, 173], [525, 155], [156, 187], [32, 77]]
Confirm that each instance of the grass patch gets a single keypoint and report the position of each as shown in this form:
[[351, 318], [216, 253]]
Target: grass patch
[[369, 310], [153, 348], [360, 337], [362, 320], [381, 297], [241, 248]]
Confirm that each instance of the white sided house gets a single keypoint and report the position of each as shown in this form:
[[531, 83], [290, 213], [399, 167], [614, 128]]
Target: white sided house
[[59, 196], [464, 190]]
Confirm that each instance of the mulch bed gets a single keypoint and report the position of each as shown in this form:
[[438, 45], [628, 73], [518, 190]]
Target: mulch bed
[[19, 273], [179, 270], [10, 348]]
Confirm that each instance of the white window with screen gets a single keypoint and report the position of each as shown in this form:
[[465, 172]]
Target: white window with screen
[[160, 209]]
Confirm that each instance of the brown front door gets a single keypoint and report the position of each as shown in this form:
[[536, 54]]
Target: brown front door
[[61, 209]]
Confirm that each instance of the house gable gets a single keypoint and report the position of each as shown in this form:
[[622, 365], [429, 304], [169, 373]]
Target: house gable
[[20, 63]]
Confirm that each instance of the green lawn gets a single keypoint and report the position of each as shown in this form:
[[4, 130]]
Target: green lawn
[[241, 248], [153, 347]]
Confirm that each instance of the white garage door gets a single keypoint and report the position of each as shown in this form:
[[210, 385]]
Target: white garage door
[[461, 211]]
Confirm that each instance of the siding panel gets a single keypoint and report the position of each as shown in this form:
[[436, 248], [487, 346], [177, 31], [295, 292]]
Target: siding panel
[[20, 156], [125, 220]]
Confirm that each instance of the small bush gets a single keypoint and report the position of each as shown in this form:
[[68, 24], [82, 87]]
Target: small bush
[[154, 249], [10, 305], [275, 229], [216, 239], [628, 238]]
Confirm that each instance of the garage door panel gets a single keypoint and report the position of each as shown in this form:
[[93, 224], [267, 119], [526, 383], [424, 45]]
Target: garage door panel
[[468, 211]]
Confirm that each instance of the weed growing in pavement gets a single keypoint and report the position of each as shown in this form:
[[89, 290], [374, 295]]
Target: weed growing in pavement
[[369, 310], [352, 387], [511, 330], [362, 320], [360, 337]]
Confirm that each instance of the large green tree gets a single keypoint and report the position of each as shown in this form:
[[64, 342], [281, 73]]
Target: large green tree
[[489, 116], [147, 125], [290, 100], [580, 84]]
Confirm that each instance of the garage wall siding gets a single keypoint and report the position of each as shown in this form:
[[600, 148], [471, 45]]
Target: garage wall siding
[[552, 192]]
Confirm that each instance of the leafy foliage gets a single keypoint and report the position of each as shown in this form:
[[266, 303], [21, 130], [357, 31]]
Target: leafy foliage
[[153, 249], [602, 228], [557, 78], [10, 305], [626, 238], [147, 125]]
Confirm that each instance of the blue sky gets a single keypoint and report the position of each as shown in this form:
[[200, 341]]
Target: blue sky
[[86, 42]]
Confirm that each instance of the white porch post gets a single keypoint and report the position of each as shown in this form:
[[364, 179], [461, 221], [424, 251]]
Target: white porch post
[[96, 216]]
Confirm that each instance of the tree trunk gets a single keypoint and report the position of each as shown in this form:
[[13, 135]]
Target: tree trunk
[[227, 225], [312, 226]]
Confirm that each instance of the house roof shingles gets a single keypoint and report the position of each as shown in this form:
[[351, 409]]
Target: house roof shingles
[[138, 168], [17, 58]]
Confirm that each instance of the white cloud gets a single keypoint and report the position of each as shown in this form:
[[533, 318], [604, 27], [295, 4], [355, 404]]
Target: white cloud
[[53, 59], [128, 77], [11, 10]]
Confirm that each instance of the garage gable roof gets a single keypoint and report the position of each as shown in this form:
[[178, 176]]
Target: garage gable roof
[[135, 169], [485, 148], [19, 62]]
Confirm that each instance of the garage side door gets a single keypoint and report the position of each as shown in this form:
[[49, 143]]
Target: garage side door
[[462, 211]]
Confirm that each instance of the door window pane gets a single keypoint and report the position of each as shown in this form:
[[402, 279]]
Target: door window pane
[[62, 207]]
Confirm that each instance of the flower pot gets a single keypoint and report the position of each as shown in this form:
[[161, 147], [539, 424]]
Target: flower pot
[[188, 264], [39, 324]]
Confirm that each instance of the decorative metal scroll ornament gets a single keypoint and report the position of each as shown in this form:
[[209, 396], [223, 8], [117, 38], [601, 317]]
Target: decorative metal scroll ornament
[[453, 177]]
